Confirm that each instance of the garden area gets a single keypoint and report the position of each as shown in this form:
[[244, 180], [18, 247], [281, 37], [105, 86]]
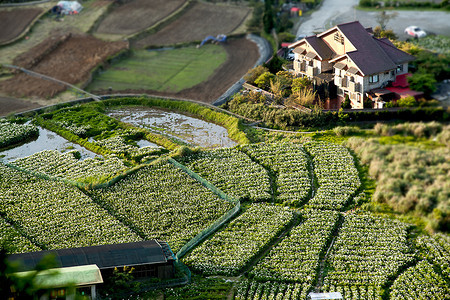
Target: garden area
[[294, 207]]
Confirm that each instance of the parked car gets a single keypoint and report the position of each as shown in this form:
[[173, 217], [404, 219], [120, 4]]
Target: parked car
[[415, 31], [290, 55]]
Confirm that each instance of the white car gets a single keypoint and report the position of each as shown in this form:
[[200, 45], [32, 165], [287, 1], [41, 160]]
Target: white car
[[415, 31]]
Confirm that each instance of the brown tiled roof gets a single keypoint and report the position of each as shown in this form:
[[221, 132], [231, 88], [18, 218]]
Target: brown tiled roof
[[369, 56], [397, 55], [320, 47]]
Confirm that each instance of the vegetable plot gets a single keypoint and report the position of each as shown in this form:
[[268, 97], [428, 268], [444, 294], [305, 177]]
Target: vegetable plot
[[296, 257], [437, 250], [368, 251], [12, 133], [68, 166], [231, 171], [420, 282], [336, 175], [57, 215], [356, 292], [15, 242], [290, 164], [162, 202], [249, 290], [230, 250]]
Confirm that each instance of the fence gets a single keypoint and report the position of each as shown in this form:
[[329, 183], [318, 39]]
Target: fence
[[218, 223]]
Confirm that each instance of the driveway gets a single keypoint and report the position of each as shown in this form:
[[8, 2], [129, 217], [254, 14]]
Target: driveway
[[333, 12]]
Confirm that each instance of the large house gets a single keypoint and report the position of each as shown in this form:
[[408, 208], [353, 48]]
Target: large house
[[351, 58]]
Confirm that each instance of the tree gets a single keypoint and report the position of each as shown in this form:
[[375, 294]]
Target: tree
[[263, 81], [300, 83], [275, 64], [422, 82], [383, 18], [346, 104], [268, 17], [388, 33], [254, 73]]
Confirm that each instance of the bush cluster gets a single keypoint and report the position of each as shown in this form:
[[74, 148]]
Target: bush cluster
[[409, 179]]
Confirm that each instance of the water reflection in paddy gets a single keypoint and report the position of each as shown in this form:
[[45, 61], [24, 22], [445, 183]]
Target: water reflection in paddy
[[183, 127], [47, 140]]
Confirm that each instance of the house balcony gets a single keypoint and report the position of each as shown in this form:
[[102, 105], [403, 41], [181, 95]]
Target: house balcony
[[311, 71], [354, 87]]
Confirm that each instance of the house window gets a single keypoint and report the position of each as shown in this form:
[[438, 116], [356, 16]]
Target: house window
[[352, 79], [399, 68], [373, 78], [392, 73]]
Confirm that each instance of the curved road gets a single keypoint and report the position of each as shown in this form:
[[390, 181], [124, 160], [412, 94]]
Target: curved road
[[333, 12]]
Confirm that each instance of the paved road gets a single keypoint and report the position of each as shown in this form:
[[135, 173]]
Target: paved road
[[333, 12]]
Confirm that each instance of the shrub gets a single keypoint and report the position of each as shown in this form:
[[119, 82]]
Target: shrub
[[346, 103], [409, 101], [263, 81], [346, 130], [254, 73], [422, 82]]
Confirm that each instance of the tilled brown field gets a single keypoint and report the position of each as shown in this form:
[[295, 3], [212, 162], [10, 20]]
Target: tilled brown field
[[199, 21], [242, 55], [11, 105], [14, 22], [70, 60], [137, 15]]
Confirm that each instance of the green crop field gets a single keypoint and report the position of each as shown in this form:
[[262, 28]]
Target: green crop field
[[169, 70], [276, 219]]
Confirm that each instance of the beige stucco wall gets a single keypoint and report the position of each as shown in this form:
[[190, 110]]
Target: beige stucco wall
[[336, 46]]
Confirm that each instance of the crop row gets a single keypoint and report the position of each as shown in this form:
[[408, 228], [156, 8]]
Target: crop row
[[296, 257], [57, 215], [231, 249], [12, 239], [68, 165], [121, 145], [356, 292], [231, 171], [336, 175], [250, 290], [161, 201], [437, 250], [368, 251], [289, 162], [12, 133], [420, 282]]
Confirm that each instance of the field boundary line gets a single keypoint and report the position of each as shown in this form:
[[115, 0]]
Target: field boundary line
[[230, 214], [42, 76]]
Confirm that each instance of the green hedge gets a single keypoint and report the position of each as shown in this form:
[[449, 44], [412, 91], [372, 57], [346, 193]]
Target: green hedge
[[292, 119]]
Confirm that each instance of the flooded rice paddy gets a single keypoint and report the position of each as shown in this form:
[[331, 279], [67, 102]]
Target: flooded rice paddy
[[47, 140], [183, 127]]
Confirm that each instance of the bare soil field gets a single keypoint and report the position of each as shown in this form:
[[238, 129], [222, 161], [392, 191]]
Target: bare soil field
[[11, 105], [242, 56], [137, 15], [197, 22], [14, 22], [70, 60]]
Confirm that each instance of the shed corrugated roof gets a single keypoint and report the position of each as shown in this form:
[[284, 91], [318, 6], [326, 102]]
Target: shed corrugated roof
[[320, 296], [104, 256], [64, 277]]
